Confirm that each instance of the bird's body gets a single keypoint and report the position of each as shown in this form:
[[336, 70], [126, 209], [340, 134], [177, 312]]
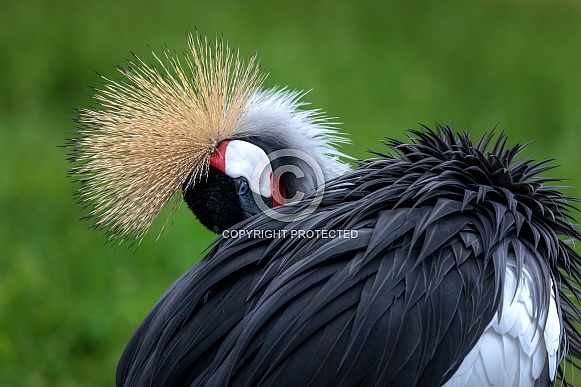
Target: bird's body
[[421, 296], [440, 262]]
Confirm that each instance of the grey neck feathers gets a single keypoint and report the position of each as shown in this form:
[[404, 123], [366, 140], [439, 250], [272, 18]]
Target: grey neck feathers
[[275, 121]]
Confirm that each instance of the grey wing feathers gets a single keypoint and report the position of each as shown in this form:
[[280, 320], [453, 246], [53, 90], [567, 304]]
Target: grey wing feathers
[[338, 312], [400, 304]]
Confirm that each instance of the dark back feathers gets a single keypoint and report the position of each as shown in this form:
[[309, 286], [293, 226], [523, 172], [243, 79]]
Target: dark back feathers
[[436, 221]]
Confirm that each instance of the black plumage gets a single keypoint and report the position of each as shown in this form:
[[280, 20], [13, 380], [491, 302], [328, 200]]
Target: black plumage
[[400, 300], [214, 201]]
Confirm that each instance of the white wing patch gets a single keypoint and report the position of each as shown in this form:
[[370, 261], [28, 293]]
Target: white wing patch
[[518, 350]]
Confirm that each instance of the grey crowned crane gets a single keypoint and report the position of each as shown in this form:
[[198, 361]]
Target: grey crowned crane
[[437, 262]]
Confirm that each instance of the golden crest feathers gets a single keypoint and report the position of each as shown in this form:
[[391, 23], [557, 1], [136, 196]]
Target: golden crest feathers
[[154, 131]]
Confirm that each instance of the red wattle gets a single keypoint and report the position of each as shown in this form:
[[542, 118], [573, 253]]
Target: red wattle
[[218, 158], [278, 192]]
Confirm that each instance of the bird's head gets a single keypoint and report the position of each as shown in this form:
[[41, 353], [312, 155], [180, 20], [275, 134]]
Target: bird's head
[[240, 175], [203, 125]]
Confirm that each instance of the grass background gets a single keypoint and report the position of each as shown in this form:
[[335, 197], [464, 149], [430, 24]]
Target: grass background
[[69, 303]]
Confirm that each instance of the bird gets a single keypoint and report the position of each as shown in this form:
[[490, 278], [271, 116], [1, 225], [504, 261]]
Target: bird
[[438, 261]]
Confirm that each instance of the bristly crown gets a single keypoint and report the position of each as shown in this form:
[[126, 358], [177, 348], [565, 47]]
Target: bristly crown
[[154, 131]]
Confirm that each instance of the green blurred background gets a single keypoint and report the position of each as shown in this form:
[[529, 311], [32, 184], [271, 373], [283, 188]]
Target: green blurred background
[[69, 303]]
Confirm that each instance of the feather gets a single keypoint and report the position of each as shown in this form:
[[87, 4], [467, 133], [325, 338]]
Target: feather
[[154, 131], [450, 288]]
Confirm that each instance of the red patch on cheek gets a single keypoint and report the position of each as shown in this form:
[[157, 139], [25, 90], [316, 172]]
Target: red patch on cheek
[[278, 192], [218, 158]]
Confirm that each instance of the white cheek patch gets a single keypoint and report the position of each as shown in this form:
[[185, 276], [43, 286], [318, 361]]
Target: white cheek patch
[[247, 160]]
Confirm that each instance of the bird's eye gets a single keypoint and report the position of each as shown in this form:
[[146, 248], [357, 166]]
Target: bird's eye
[[242, 186]]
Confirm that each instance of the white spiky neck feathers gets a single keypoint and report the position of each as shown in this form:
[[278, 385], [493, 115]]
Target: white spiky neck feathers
[[279, 114], [154, 131]]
